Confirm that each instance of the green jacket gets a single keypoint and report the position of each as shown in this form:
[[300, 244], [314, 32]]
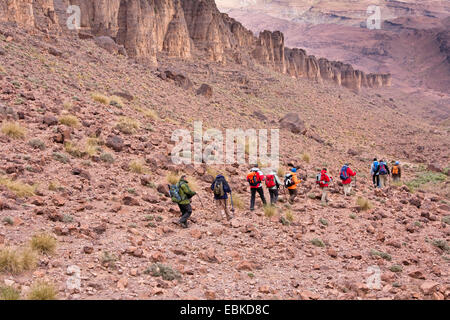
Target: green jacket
[[185, 192]]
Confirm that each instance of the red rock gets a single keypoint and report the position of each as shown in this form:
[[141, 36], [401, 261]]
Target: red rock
[[88, 250], [209, 255], [245, 265], [157, 256], [429, 287], [195, 233], [122, 283], [210, 295], [332, 253], [264, 289], [417, 274], [130, 201]]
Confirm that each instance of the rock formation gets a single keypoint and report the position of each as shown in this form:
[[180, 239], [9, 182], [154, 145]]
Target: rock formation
[[182, 28]]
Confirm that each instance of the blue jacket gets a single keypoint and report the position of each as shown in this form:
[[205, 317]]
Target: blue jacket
[[226, 187]]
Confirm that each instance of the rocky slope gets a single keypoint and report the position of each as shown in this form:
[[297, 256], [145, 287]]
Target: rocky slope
[[94, 168]]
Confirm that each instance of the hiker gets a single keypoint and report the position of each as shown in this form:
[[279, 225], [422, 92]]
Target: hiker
[[290, 182], [221, 189], [255, 178], [323, 179], [373, 172], [346, 175], [273, 184], [383, 172], [396, 172], [182, 194]]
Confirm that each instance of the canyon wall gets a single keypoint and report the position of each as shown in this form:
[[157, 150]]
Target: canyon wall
[[181, 28]]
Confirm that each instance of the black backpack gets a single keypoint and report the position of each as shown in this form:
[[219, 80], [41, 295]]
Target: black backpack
[[218, 188]]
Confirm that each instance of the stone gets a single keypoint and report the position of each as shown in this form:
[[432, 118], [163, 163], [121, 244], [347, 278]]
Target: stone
[[429, 287], [115, 142]]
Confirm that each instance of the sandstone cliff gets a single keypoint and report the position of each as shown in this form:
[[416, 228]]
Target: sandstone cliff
[[182, 28]]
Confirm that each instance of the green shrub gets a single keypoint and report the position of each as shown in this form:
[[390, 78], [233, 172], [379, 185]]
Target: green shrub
[[323, 221], [164, 271], [381, 254], [441, 244], [107, 157], [318, 242], [9, 293], [60, 157], [37, 144], [396, 268]]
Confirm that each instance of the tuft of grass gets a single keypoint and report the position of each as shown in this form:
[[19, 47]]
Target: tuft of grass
[[151, 114], [289, 216], [441, 244], [193, 185], [172, 177], [101, 98], [280, 172], [73, 150], [9, 293], [364, 203], [269, 211], [54, 186], [116, 101], [137, 166], [396, 268], [164, 271], [211, 171], [43, 243], [237, 201], [42, 290], [384, 255], [69, 120], [107, 157], [108, 260], [20, 189], [37, 144], [127, 125], [15, 261], [60, 157], [352, 216], [318, 242], [306, 157], [67, 218], [8, 220], [13, 130]]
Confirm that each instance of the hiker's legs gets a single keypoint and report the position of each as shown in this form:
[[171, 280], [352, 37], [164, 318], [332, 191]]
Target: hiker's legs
[[220, 214], [252, 198], [395, 178], [324, 195], [186, 211], [348, 188], [225, 206], [293, 194], [382, 181], [377, 178], [261, 194], [374, 180], [272, 196]]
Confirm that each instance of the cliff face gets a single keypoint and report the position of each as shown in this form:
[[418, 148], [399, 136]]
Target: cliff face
[[181, 27], [29, 13]]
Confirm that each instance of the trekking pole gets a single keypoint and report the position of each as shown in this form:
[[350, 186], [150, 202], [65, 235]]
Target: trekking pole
[[201, 202], [231, 199]]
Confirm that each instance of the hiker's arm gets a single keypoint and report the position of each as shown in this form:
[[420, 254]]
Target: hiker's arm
[[212, 185], [187, 190]]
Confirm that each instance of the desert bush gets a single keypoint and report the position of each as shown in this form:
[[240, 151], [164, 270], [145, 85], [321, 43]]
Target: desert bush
[[269, 211], [280, 172], [37, 144], [318, 242], [60, 157], [441, 244], [381, 254], [108, 260], [151, 114], [323, 221], [137, 166], [446, 219], [69, 120], [13, 130], [424, 178], [107, 157], [164, 271], [396, 268], [101, 98], [364, 203], [73, 150], [15, 260], [8, 220], [19, 188], [289, 216], [43, 243], [127, 125], [42, 290]]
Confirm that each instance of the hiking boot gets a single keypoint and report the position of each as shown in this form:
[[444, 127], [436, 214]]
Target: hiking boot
[[184, 225]]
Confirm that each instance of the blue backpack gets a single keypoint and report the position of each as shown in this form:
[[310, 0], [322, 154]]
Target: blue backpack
[[343, 174], [375, 166], [175, 193]]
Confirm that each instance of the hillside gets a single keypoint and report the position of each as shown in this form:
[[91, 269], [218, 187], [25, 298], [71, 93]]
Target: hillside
[[87, 158]]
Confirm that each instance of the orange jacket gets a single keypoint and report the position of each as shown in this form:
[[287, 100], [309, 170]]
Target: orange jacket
[[295, 180]]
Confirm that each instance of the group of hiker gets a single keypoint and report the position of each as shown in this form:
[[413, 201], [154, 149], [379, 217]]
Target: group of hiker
[[182, 194]]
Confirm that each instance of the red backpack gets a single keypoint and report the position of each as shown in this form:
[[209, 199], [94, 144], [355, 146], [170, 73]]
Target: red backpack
[[270, 181], [253, 179]]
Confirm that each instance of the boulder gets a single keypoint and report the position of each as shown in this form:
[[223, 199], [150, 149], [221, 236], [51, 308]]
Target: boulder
[[294, 123]]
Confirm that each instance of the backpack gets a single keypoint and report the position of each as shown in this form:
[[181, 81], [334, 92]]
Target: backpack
[[176, 193], [375, 166], [288, 181], [318, 178], [395, 170], [343, 174], [270, 181], [253, 179], [383, 170], [218, 188]]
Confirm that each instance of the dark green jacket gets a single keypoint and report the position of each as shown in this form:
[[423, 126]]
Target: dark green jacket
[[185, 192]]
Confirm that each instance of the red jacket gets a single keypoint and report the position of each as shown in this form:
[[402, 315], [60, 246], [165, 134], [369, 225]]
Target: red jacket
[[350, 174], [324, 179]]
